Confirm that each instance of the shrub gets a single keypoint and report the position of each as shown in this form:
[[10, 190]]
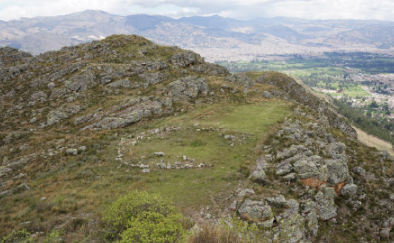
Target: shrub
[[143, 217]]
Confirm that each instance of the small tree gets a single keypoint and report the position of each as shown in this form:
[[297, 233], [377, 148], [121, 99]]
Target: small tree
[[143, 217]]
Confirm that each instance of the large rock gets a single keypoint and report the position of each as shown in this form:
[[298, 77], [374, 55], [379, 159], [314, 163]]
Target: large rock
[[349, 190], [338, 171], [292, 151], [188, 87], [326, 208], [62, 113], [255, 211], [39, 96], [305, 169], [241, 79], [186, 58], [284, 168], [360, 171], [312, 222], [81, 82], [290, 230], [56, 116], [259, 176], [128, 116], [118, 122]]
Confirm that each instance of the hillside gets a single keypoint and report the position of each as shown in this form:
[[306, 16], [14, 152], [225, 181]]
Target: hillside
[[214, 37], [85, 125]]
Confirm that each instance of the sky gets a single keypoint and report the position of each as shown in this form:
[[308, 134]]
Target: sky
[[239, 9]]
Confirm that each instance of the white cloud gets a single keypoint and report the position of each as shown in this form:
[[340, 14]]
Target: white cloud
[[310, 9]]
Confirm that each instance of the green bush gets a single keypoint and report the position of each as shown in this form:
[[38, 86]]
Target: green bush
[[143, 217]]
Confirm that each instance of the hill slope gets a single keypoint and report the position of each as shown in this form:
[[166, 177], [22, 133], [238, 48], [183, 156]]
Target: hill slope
[[85, 125]]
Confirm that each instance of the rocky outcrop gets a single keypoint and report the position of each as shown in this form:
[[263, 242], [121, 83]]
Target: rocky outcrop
[[186, 58], [188, 87], [303, 156], [298, 93], [62, 113], [255, 211], [138, 110]]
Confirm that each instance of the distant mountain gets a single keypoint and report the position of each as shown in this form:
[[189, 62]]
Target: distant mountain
[[217, 38]]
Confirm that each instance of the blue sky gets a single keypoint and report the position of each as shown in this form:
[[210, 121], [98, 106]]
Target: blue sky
[[241, 9]]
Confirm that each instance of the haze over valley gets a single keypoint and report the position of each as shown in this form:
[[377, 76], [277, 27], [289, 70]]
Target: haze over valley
[[215, 37]]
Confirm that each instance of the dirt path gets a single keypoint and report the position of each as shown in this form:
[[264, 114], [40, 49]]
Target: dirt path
[[372, 141]]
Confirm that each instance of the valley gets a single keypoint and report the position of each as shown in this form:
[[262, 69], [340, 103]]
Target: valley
[[362, 82]]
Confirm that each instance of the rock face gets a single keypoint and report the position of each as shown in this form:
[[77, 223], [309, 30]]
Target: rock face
[[77, 75], [302, 156]]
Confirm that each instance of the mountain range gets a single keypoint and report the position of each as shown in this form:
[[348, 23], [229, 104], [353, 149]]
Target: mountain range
[[215, 37]]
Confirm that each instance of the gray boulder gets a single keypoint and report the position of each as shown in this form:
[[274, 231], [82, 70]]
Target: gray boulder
[[338, 171], [81, 83], [261, 163], [188, 87], [267, 94], [312, 222], [117, 122], [62, 113], [305, 169], [255, 211], [56, 116], [39, 96], [259, 176], [360, 171], [186, 58], [290, 177], [325, 204], [349, 190], [292, 151], [71, 152], [284, 168], [278, 201], [290, 230], [241, 79]]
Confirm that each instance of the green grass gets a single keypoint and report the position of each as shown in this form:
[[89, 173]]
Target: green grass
[[90, 182], [194, 187], [189, 188]]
